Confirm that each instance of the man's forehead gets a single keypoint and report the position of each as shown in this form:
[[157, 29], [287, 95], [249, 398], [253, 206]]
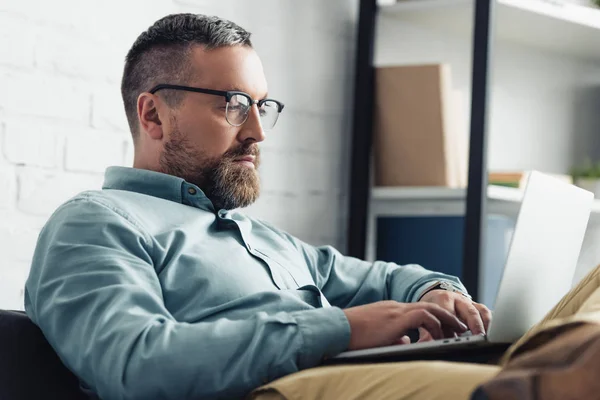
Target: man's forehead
[[229, 68]]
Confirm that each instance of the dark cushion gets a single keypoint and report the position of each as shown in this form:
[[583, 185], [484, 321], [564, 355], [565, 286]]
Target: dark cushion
[[29, 367]]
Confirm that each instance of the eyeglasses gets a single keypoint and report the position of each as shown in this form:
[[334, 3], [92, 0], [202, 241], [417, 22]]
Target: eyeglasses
[[238, 105]]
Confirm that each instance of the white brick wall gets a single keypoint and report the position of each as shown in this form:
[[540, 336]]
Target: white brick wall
[[44, 94], [31, 142], [7, 187], [62, 121], [94, 150], [41, 191]]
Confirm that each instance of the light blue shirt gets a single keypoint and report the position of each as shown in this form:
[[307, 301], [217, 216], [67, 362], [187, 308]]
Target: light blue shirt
[[147, 292]]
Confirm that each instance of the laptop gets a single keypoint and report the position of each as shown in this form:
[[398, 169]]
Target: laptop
[[539, 270]]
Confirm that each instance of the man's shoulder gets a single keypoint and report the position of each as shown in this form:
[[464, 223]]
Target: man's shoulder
[[98, 204], [96, 198], [123, 200], [148, 213], [89, 204]]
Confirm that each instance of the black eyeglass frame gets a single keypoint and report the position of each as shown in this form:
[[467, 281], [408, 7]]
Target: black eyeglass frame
[[228, 94]]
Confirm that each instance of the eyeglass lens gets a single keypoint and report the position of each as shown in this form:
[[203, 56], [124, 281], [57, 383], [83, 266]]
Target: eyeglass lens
[[238, 109]]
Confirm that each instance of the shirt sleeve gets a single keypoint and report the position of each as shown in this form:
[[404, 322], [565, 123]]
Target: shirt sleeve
[[348, 282], [95, 293]]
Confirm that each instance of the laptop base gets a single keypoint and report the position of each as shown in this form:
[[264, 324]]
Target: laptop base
[[482, 352]]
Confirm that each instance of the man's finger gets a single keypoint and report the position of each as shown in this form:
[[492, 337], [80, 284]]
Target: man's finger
[[485, 313], [403, 340], [421, 318], [470, 314], [424, 335], [449, 321]]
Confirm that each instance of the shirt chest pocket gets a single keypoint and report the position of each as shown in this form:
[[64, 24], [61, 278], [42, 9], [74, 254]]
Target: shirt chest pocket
[[290, 263]]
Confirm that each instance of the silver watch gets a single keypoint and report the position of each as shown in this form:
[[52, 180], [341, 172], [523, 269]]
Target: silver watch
[[445, 285]]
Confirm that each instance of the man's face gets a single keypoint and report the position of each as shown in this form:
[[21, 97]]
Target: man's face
[[200, 145]]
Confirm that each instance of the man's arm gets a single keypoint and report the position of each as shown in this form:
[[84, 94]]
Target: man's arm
[[94, 292], [348, 282]]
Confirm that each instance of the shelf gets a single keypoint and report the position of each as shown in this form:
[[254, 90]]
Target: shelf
[[441, 201], [441, 193], [568, 29], [413, 201], [416, 193]]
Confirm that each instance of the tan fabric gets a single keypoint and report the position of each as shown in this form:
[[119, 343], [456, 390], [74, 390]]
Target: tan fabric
[[581, 304], [268, 394], [554, 365], [560, 357], [429, 380], [435, 380]]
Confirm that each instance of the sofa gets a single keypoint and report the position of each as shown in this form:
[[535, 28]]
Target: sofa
[[29, 367]]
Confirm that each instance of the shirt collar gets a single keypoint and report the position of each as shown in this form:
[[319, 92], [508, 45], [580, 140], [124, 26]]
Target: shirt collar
[[156, 184]]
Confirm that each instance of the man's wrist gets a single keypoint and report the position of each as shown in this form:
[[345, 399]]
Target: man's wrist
[[444, 285]]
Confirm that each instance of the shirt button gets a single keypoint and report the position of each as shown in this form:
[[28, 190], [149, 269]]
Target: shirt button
[[222, 213], [192, 191]]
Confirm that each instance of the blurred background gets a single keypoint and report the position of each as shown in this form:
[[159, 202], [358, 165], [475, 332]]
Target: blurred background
[[62, 120]]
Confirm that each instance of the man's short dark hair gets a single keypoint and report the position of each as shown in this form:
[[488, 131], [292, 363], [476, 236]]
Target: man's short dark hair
[[161, 55]]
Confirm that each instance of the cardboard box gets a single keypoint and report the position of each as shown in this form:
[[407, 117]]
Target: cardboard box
[[418, 140]]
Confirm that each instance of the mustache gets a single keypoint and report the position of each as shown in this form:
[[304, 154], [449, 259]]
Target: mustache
[[249, 150]]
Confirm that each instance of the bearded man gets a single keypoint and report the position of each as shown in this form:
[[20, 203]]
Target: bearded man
[[158, 287]]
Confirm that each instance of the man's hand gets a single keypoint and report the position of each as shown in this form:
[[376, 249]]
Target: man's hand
[[386, 322], [476, 316]]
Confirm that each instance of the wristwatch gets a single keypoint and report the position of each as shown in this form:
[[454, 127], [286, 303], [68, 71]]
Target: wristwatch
[[444, 285]]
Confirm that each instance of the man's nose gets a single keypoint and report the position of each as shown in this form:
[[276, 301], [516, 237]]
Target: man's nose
[[252, 129]]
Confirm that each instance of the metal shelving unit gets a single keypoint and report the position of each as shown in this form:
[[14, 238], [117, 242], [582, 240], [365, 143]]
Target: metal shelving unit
[[362, 138]]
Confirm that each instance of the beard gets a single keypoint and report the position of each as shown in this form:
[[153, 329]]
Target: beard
[[226, 183]]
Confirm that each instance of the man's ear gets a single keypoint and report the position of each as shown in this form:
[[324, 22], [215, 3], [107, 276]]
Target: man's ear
[[147, 109]]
